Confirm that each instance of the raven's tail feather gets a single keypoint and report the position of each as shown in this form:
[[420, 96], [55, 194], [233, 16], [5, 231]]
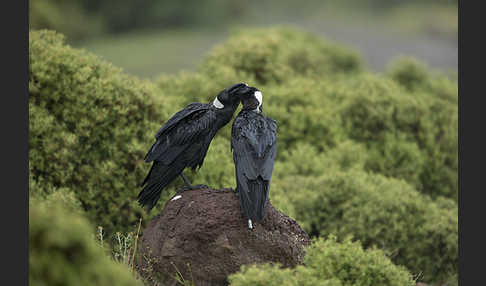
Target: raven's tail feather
[[260, 194], [158, 178], [148, 176], [254, 200]]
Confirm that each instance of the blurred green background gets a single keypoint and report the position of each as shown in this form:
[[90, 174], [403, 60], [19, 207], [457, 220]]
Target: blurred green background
[[150, 37]]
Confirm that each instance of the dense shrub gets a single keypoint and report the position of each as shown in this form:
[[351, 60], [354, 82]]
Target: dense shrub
[[387, 213], [412, 136], [408, 72], [62, 251], [305, 111], [90, 126], [328, 262], [55, 196], [263, 56], [407, 120], [404, 133], [438, 95], [416, 76]]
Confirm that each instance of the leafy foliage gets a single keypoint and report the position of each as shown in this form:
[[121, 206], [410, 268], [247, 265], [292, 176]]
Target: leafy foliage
[[329, 263], [407, 119], [62, 251], [387, 213], [90, 126], [264, 56]]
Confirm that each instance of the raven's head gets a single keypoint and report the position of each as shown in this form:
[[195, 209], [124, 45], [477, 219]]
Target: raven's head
[[231, 96], [252, 99]]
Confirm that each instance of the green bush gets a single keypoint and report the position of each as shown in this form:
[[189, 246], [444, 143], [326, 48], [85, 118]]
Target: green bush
[[62, 196], [329, 263], [90, 126], [263, 56], [411, 136], [438, 96], [387, 213], [408, 72], [414, 75], [408, 133], [62, 251]]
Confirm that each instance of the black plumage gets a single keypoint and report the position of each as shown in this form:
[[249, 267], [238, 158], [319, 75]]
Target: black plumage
[[254, 145], [184, 140]]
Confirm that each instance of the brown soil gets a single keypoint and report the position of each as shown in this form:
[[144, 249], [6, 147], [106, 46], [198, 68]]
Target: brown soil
[[206, 237]]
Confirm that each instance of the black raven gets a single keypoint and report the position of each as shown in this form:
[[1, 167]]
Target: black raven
[[184, 140], [254, 146]]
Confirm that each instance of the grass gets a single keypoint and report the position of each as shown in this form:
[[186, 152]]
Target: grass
[[124, 249], [151, 52]]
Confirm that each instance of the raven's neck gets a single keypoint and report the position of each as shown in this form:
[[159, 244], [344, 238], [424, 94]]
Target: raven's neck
[[251, 104], [224, 115], [252, 109], [250, 112]]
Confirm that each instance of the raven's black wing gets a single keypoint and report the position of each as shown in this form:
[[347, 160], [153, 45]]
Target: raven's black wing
[[182, 142], [254, 145], [179, 131]]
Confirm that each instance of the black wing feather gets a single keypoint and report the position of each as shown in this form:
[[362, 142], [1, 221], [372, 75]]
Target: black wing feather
[[188, 110], [182, 142], [179, 131]]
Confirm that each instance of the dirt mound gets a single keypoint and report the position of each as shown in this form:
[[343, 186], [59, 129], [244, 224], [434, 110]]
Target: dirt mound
[[203, 235]]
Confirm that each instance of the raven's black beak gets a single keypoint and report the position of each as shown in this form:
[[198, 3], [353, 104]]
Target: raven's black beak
[[236, 87], [247, 91]]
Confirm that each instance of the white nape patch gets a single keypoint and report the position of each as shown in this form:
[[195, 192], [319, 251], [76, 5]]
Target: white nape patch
[[176, 198], [250, 225], [217, 103], [259, 97]]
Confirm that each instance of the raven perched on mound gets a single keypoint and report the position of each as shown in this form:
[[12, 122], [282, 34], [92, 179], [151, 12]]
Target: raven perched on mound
[[184, 140], [254, 145]]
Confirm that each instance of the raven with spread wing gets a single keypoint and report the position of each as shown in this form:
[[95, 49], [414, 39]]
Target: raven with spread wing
[[254, 145], [184, 140]]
